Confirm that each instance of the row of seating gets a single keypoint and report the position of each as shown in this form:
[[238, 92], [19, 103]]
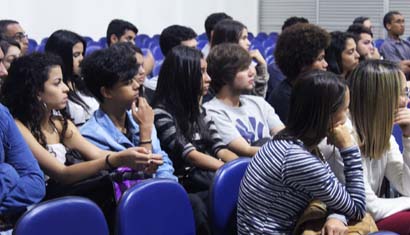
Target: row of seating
[[150, 207]]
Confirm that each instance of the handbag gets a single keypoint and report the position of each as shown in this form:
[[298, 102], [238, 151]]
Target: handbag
[[314, 217], [197, 180]]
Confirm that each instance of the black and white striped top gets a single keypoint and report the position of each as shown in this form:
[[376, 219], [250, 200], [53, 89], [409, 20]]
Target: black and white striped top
[[178, 146], [284, 177]]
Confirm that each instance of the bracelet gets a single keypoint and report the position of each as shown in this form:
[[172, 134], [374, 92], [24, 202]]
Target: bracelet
[[108, 162], [146, 141]]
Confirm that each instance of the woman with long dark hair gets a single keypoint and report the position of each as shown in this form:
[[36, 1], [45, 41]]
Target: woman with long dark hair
[[288, 171], [71, 48], [186, 132]]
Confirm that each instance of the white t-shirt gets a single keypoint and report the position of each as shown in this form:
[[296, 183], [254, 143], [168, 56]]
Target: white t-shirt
[[253, 119]]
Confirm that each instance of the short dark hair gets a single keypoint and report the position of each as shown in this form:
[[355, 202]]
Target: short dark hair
[[310, 115], [106, 67], [227, 31], [294, 20], [360, 19], [212, 20], [388, 17], [298, 47], [118, 28], [333, 53], [3, 26], [173, 35], [357, 29], [6, 43], [224, 62]]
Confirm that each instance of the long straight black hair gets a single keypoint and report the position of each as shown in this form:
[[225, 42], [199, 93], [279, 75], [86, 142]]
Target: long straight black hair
[[61, 43], [179, 89]]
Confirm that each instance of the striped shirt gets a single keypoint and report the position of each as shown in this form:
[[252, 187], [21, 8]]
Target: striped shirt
[[284, 177], [178, 146]]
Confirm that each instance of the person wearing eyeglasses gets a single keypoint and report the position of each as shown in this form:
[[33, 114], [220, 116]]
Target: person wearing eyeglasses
[[12, 29]]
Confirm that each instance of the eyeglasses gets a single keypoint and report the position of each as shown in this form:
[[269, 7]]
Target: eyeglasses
[[20, 36]]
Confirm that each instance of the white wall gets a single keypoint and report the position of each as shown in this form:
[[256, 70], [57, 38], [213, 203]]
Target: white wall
[[90, 17]]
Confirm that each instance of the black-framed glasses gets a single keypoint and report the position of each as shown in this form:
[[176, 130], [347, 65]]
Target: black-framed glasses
[[20, 36]]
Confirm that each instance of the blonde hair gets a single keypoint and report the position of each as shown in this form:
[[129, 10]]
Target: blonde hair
[[375, 87]]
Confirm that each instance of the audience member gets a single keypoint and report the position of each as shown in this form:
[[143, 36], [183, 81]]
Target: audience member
[[275, 75], [210, 23], [299, 48], [11, 49], [364, 42], [171, 37], [364, 20], [232, 31], [118, 125], [70, 47], [341, 55], [288, 172], [243, 121], [12, 29], [379, 97], [124, 31], [21, 180], [394, 48], [186, 132], [37, 97]]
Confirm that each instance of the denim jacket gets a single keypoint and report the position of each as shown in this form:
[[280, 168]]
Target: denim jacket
[[100, 130]]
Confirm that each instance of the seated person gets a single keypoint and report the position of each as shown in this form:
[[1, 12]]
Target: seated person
[[242, 120], [21, 180], [288, 172], [300, 48], [37, 97], [118, 124], [187, 134]]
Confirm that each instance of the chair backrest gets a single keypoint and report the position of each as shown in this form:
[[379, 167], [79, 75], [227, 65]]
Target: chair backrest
[[63, 216], [398, 136], [155, 206], [224, 196]]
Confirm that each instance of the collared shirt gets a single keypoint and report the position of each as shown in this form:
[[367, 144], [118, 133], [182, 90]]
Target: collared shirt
[[21, 180], [101, 131], [395, 50]]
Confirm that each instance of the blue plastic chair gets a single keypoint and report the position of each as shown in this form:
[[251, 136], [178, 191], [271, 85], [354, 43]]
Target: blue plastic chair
[[383, 233], [202, 37], [63, 216], [378, 43], [32, 45], [224, 196], [155, 206], [92, 48], [103, 42], [398, 136]]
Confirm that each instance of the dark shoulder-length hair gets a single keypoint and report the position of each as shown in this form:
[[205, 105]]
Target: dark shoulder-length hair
[[179, 87], [227, 31], [333, 54], [316, 96], [26, 79], [61, 43]]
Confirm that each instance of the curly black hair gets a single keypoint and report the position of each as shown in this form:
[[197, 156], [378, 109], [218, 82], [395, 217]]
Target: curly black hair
[[298, 47], [106, 67], [19, 92]]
